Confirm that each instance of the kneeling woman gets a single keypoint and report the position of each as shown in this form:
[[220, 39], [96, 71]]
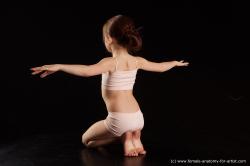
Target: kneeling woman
[[125, 120]]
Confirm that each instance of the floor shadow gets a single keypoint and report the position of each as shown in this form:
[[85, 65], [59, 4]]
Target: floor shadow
[[108, 156]]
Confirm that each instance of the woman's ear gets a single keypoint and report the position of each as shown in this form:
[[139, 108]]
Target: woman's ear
[[109, 40]]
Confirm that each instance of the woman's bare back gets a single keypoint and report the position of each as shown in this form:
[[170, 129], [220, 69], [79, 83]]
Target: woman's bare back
[[121, 100]]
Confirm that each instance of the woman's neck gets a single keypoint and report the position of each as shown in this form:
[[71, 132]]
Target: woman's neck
[[119, 52]]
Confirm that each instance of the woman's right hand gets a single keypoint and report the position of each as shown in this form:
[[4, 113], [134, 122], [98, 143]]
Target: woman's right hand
[[46, 69]]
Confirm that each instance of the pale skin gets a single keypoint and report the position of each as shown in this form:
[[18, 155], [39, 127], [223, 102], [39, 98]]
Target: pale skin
[[118, 100]]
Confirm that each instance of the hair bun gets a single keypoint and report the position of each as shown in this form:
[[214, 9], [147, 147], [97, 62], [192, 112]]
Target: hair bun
[[129, 29], [122, 28]]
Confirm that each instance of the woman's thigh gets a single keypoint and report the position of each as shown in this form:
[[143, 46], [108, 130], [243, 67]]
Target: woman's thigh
[[97, 131]]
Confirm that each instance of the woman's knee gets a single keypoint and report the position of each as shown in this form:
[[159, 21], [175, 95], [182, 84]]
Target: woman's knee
[[85, 141]]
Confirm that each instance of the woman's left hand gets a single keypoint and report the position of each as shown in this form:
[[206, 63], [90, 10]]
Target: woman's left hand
[[181, 63]]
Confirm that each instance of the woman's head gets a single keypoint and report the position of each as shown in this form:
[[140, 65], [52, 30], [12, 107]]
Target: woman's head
[[121, 31]]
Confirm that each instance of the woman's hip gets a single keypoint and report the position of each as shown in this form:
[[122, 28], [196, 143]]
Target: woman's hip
[[120, 122]]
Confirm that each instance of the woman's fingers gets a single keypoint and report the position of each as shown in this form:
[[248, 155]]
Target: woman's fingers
[[185, 64], [50, 72], [42, 68], [36, 72], [44, 74], [182, 63], [46, 69], [37, 68]]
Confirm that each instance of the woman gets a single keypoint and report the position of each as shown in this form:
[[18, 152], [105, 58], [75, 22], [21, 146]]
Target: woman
[[125, 119]]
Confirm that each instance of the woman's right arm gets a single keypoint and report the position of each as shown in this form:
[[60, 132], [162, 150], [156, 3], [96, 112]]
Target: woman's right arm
[[144, 64], [104, 65], [77, 70]]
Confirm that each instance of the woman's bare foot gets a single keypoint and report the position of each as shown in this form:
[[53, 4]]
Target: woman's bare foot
[[138, 146], [137, 142], [129, 148]]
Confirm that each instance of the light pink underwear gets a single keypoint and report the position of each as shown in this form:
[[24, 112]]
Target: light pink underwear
[[120, 122]]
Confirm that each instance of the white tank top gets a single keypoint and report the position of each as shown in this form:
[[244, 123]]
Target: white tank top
[[119, 80]]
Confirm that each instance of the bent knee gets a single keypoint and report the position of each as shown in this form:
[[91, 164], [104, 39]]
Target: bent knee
[[88, 144], [85, 141]]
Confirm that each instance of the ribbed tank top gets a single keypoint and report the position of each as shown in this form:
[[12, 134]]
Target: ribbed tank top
[[119, 80]]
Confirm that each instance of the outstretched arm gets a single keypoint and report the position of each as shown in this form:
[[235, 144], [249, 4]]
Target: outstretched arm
[[102, 66], [159, 66]]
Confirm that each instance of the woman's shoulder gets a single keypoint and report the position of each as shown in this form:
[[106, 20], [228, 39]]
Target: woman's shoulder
[[109, 62], [108, 59], [140, 59]]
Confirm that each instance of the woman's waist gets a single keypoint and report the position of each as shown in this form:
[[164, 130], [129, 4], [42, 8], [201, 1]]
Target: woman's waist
[[128, 104], [119, 99], [116, 94], [117, 113]]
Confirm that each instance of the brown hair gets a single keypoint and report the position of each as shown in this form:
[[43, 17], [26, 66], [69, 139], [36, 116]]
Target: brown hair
[[123, 30]]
